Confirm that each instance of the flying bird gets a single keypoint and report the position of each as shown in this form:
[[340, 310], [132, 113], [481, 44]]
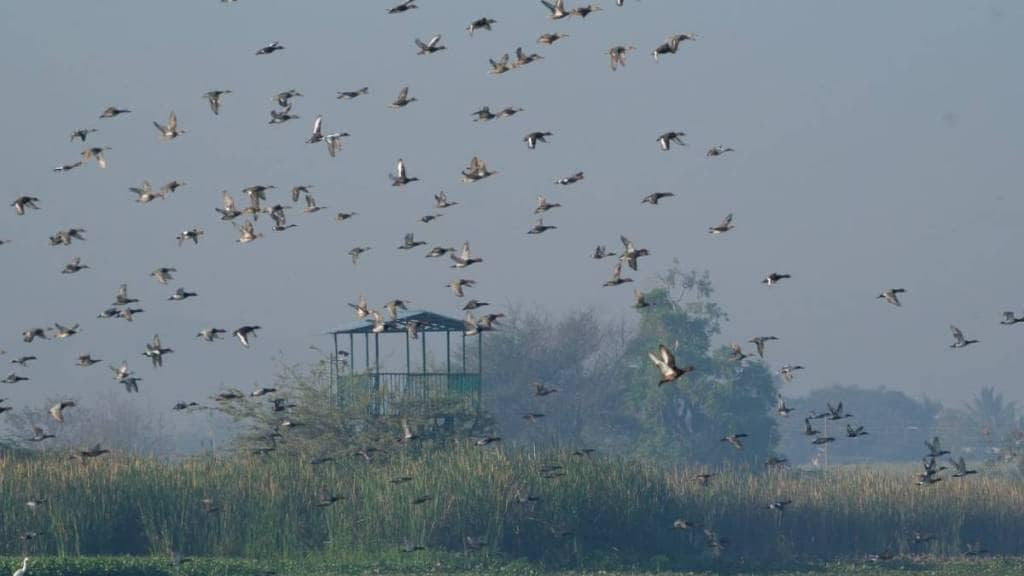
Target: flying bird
[[551, 38], [401, 178], [113, 112], [477, 170], [23, 202], [958, 338], [431, 46], [403, 99], [759, 342], [557, 9], [891, 295], [270, 48], [480, 24], [666, 363], [570, 179], [533, 138], [403, 7], [666, 140], [736, 440], [774, 278], [57, 410], [155, 352], [656, 197], [245, 334], [724, 226], [1009, 319], [671, 44], [617, 278], [353, 94], [169, 131], [717, 151], [540, 227], [213, 97], [82, 134], [617, 55], [586, 10]]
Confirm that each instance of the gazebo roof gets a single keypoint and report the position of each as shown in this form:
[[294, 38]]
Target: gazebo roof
[[428, 322]]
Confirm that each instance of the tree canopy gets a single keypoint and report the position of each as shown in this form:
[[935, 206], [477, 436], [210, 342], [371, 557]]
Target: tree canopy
[[608, 394]]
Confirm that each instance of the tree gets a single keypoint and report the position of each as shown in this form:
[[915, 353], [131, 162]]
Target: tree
[[305, 414], [572, 354], [113, 420], [992, 415], [684, 421], [608, 396]]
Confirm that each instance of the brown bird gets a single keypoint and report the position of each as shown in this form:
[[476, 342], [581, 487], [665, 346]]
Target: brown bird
[[735, 440], [57, 410], [666, 363]]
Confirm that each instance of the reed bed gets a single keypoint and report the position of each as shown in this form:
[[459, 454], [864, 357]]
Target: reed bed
[[551, 507]]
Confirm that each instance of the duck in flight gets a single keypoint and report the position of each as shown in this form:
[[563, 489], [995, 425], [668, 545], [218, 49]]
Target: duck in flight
[[891, 295], [665, 361], [959, 341], [270, 48]]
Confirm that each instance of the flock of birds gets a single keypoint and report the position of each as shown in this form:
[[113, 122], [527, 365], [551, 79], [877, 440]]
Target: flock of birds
[[387, 318]]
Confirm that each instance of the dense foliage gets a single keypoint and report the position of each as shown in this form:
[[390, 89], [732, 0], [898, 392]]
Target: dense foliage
[[608, 394]]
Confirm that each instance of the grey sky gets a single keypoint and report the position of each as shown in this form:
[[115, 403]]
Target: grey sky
[[877, 146]]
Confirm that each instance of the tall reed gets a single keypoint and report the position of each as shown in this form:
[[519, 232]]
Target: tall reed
[[550, 506]]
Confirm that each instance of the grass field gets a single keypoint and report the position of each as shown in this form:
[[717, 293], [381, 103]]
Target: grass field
[[553, 510]]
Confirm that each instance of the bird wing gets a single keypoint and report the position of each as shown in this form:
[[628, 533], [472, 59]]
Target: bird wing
[[229, 202], [401, 170], [172, 122], [465, 250], [728, 220], [423, 47], [317, 124], [404, 93], [433, 41], [657, 361], [548, 5], [666, 355], [957, 334]]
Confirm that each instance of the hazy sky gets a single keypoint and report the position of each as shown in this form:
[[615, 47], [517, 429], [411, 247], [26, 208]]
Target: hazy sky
[[878, 145]]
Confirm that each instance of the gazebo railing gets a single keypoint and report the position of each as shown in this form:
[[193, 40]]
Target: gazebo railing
[[390, 389]]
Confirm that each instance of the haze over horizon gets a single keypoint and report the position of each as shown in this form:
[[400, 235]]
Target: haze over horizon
[[876, 147]]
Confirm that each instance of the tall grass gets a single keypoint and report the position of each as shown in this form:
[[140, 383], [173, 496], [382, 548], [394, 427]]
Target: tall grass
[[610, 509]]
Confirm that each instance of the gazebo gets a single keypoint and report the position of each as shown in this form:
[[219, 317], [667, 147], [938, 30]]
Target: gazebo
[[387, 388]]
